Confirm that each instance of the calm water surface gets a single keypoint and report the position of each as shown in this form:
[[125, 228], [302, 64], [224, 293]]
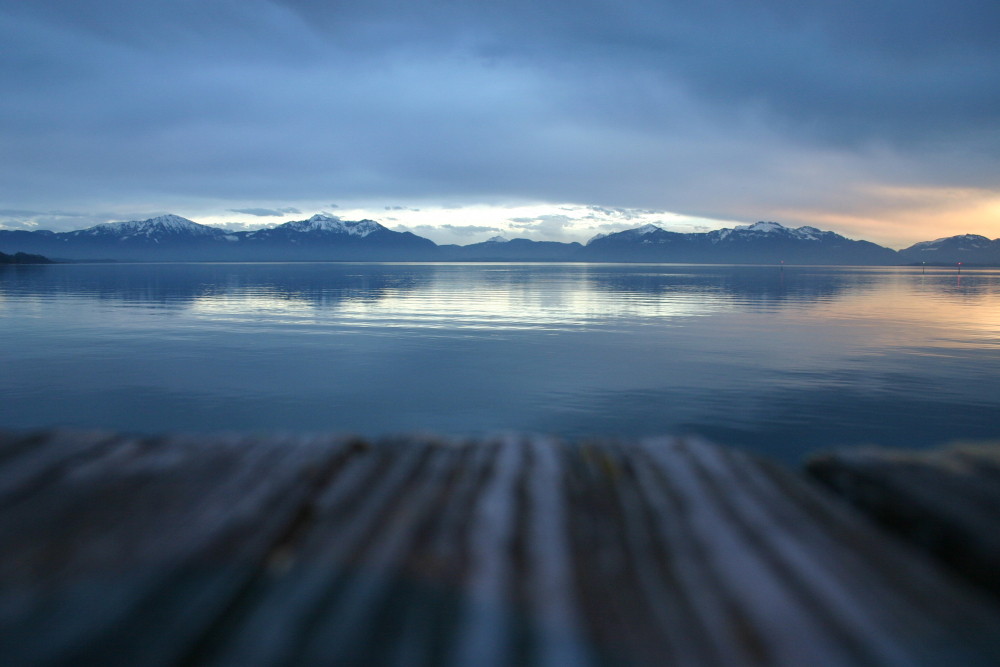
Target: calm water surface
[[782, 362]]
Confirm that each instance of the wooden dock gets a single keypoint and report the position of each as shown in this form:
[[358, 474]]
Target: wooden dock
[[118, 550]]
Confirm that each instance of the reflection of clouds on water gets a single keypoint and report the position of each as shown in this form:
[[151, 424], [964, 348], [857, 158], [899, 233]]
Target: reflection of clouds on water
[[522, 297], [787, 360], [517, 296], [180, 285], [512, 296]]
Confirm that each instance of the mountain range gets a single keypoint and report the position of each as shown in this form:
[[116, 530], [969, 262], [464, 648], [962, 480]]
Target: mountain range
[[966, 248], [328, 238]]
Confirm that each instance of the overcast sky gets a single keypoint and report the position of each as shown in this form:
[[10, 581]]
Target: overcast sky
[[879, 119]]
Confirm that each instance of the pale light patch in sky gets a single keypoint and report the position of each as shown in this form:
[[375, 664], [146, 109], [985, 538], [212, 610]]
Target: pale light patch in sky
[[902, 213], [899, 214], [462, 225], [235, 222]]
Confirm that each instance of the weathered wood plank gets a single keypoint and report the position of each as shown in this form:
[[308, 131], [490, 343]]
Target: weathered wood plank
[[669, 551], [744, 563], [945, 501], [880, 604], [361, 573], [416, 551], [31, 460], [125, 557]]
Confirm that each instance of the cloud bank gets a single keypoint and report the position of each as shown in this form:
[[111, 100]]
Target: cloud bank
[[267, 212], [877, 117]]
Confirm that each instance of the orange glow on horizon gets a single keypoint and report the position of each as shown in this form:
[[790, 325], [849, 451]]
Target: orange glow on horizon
[[898, 217]]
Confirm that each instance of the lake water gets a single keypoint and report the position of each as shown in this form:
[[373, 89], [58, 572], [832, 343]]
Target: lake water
[[779, 361]]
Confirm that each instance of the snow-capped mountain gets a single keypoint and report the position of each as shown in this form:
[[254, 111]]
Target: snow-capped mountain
[[331, 224], [761, 230], [759, 243], [160, 228], [648, 230], [325, 237], [167, 237], [173, 238], [645, 230], [965, 248], [963, 242]]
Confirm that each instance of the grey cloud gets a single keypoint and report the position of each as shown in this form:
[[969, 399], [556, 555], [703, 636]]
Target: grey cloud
[[241, 226], [619, 213], [611, 227], [461, 230], [19, 213], [59, 221], [835, 69], [468, 230], [449, 233], [718, 109], [545, 227], [25, 214], [262, 212]]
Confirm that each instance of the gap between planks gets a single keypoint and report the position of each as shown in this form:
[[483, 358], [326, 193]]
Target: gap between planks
[[418, 551]]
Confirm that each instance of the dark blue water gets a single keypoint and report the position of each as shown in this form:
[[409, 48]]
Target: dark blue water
[[780, 361]]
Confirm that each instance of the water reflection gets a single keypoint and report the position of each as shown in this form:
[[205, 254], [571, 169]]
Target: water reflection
[[497, 291], [751, 287], [781, 360], [180, 285]]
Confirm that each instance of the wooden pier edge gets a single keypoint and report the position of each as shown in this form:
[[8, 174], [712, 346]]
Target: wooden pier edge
[[514, 550], [945, 501]]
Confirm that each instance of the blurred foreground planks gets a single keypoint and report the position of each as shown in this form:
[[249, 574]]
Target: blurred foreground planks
[[118, 550]]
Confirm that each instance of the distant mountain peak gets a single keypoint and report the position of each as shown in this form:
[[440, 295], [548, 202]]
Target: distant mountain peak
[[322, 217], [498, 239], [760, 243], [647, 235], [158, 226], [762, 226], [975, 239], [767, 229], [322, 222], [169, 220], [647, 229], [969, 248], [636, 233]]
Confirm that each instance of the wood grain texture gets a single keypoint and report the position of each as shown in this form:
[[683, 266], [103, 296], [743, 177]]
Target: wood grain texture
[[123, 556], [418, 551], [944, 501]]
